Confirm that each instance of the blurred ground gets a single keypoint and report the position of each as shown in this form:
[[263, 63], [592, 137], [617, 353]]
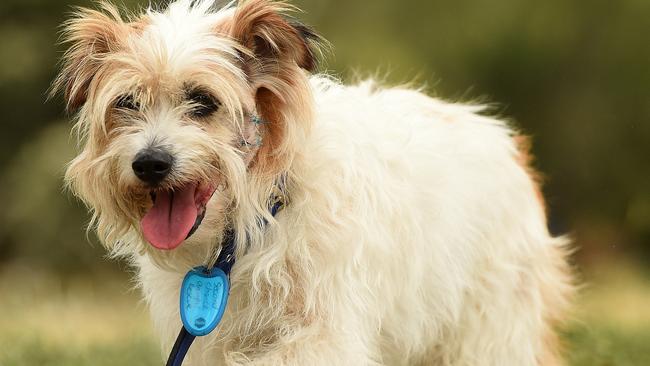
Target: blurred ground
[[50, 321], [611, 324]]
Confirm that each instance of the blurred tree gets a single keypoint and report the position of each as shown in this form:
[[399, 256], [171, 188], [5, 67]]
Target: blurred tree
[[572, 74]]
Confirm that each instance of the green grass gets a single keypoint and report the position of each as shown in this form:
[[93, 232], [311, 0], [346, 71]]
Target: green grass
[[35, 351], [612, 320], [47, 321], [606, 346]]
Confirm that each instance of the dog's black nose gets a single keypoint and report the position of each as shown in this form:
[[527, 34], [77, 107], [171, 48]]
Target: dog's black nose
[[152, 165]]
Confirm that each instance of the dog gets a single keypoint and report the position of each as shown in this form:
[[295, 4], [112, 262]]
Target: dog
[[412, 230]]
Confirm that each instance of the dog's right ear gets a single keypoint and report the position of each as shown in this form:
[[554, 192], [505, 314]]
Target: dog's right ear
[[278, 53], [92, 35]]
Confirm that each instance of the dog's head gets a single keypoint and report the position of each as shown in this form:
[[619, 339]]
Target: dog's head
[[176, 105]]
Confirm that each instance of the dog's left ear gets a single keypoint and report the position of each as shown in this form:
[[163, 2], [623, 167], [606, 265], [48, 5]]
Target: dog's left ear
[[278, 55], [263, 27]]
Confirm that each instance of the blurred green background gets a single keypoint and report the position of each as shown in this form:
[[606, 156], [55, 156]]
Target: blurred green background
[[575, 75]]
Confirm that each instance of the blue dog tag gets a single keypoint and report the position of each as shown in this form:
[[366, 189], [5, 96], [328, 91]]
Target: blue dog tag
[[204, 295]]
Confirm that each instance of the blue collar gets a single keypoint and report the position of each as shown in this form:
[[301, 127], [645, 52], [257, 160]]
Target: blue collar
[[219, 277], [226, 258]]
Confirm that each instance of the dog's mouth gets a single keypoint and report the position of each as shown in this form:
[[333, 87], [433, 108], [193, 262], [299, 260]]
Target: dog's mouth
[[175, 215]]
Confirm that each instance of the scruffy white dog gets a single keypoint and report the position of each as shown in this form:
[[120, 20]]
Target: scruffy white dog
[[413, 231]]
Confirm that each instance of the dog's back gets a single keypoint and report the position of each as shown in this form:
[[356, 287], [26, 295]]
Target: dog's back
[[438, 210]]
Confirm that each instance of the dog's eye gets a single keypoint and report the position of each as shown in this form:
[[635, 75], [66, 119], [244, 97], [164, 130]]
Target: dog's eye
[[127, 102], [203, 104]]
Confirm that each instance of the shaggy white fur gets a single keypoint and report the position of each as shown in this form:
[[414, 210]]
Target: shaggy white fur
[[413, 231]]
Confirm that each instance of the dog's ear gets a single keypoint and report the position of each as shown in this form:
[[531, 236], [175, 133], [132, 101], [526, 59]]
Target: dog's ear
[[264, 28], [278, 54], [92, 35]]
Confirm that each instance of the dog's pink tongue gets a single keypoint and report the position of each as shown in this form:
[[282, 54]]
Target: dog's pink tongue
[[171, 218]]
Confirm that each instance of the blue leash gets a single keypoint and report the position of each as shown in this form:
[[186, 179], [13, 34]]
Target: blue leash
[[217, 284]]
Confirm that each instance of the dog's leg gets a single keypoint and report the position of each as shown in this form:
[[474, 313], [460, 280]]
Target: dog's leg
[[512, 322], [323, 320]]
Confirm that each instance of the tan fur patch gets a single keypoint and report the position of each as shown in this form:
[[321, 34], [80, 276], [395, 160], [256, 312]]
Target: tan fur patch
[[526, 159], [557, 294]]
